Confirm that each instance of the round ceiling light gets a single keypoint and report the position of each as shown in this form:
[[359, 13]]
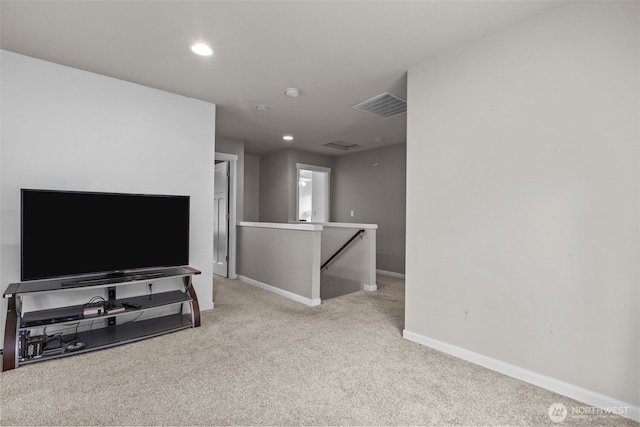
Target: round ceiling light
[[288, 138], [292, 92], [201, 49], [261, 107]]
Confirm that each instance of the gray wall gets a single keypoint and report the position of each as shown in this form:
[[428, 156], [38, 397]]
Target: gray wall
[[352, 271], [294, 267], [235, 146], [278, 182], [251, 188], [523, 189], [376, 194], [274, 182]]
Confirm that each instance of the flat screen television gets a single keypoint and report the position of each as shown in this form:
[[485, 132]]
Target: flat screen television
[[72, 233]]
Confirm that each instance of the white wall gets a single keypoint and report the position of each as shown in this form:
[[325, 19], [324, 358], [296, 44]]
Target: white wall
[[63, 128], [522, 201]]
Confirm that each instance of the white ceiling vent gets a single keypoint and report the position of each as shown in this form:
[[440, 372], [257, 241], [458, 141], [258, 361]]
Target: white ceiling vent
[[340, 145], [384, 105]]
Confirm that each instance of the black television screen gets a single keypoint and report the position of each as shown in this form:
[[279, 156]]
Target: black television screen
[[67, 233]]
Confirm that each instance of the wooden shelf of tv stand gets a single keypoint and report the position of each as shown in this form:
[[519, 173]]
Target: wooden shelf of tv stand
[[99, 338]]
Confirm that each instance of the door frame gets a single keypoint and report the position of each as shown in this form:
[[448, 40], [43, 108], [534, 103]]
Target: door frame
[[233, 188], [314, 168], [221, 218]]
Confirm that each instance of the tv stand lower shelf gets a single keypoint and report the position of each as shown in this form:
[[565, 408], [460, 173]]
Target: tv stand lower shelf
[[27, 340], [111, 336]]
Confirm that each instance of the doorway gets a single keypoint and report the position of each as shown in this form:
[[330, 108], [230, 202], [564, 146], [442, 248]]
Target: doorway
[[221, 219], [313, 193], [224, 215]]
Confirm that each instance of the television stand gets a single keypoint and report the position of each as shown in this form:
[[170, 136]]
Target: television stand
[[144, 316]]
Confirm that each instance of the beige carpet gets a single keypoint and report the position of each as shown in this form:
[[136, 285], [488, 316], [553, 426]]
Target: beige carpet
[[261, 359]]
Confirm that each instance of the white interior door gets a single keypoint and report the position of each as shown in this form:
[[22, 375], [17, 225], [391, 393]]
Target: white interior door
[[221, 220]]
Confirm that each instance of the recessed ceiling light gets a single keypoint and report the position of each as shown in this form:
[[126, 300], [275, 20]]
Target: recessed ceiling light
[[288, 138], [261, 107], [201, 49]]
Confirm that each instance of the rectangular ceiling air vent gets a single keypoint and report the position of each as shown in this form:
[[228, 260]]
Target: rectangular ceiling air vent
[[340, 145], [384, 105]]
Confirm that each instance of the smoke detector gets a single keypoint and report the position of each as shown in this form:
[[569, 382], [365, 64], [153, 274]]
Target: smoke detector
[[292, 92]]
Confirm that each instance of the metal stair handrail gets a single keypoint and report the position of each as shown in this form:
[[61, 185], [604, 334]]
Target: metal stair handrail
[[339, 251]]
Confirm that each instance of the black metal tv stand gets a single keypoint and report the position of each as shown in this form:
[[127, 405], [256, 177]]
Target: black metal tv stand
[[25, 340]]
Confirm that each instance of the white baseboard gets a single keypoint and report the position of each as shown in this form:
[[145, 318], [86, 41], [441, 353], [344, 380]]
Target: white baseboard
[[298, 298], [369, 288], [390, 274], [569, 390], [207, 306]]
